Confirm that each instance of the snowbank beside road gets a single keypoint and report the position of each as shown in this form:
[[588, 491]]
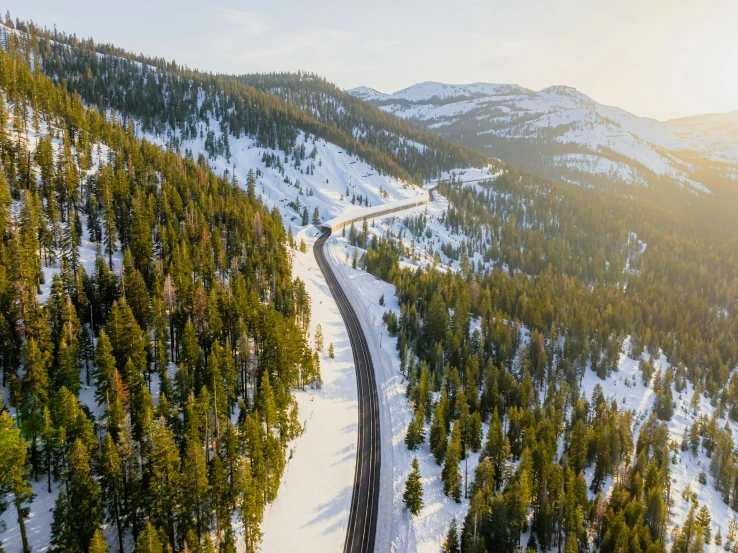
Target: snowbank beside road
[[312, 509], [397, 530]]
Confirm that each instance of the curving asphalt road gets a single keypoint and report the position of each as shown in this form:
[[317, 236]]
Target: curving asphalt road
[[362, 526]]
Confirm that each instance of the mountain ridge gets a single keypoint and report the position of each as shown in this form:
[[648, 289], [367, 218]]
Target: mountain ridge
[[562, 133]]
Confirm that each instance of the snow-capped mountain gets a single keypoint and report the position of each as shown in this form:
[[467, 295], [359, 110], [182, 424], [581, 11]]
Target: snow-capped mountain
[[715, 135], [562, 133]]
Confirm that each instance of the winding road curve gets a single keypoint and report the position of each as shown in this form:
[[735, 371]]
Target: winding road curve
[[362, 526]]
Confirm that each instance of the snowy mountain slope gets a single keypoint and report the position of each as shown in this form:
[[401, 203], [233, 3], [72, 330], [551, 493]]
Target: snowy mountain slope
[[626, 387], [328, 182], [315, 176], [366, 93], [317, 484], [561, 132], [316, 487], [715, 134]]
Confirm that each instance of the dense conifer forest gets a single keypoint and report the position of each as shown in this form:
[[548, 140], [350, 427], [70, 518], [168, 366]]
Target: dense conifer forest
[[191, 300], [576, 273]]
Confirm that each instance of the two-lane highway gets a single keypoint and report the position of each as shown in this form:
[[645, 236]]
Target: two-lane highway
[[362, 526]]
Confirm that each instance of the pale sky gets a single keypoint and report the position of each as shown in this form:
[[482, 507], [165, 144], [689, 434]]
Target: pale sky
[[656, 58]]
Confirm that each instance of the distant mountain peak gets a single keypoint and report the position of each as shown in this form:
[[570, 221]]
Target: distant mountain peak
[[365, 92], [563, 133]]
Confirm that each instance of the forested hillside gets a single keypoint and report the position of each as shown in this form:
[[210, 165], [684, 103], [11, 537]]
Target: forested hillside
[[177, 102], [540, 292], [150, 332], [421, 152]]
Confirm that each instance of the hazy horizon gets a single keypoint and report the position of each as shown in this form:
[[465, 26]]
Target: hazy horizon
[[663, 60]]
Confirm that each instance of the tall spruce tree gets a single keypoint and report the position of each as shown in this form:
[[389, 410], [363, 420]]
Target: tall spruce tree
[[412, 497], [450, 475], [79, 509]]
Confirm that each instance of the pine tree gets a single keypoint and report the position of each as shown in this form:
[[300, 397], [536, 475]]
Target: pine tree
[[694, 437], [70, 245], [67, 373], [690, 539], [451, 544], [86, 351], [704, 519], [222, 497], [416, 429], [250, 506], [475, 432], [109, 218], [49, 435], [438, 432], [34, 389], [194, 485], [413, 494], [316, 217], [164, 463], [5, 202], [578, 447], [148, 541], [450, 475], [141, 243], [319, 338], [251, 184], [331, 351], [78, 508], [98, 544], [12, 473], [111, 484]]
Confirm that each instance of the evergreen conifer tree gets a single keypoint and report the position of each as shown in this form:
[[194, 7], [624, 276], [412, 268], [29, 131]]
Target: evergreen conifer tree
[[451, 543], [438, 433], [413, 494], [12, 473], [416, 429], [450, 475], [111, 484], [148, 541], [79, 509], [98, 544]]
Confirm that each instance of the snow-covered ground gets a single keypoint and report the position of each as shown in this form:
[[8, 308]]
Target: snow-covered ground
[[716, 134], [626, 387], [315, 494], [329, 181], [398, 530], [314, 498]]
